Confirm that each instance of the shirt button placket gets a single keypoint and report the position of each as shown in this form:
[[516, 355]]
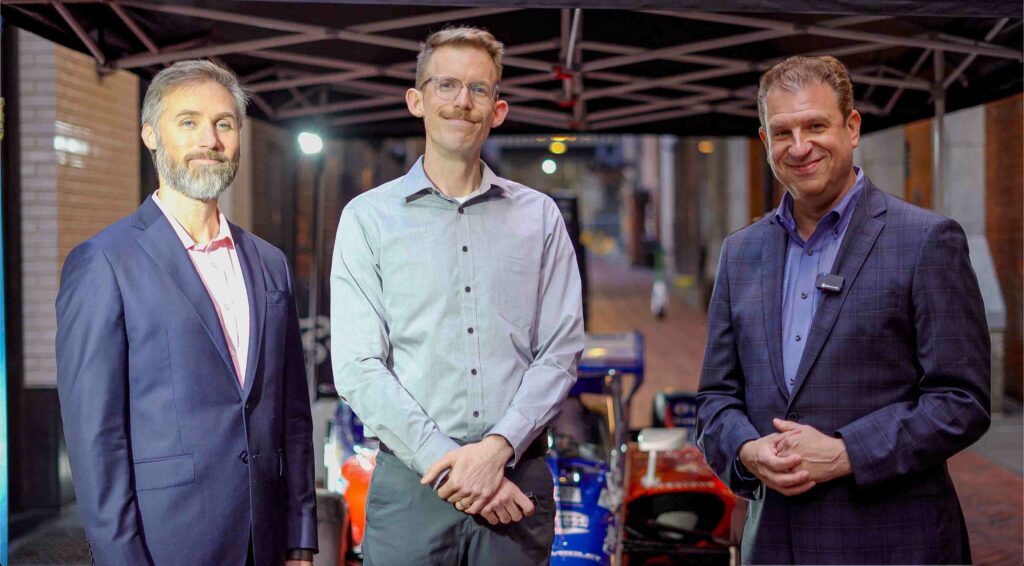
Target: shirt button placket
[[474, 392]]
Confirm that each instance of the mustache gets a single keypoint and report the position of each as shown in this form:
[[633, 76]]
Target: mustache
[[205, 154], [456, 114]]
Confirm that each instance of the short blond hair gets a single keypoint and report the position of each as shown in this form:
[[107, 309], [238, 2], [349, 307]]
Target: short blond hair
[[798, 73], [462, 36]]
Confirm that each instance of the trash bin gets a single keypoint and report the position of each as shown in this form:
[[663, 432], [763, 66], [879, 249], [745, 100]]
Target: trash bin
[[331, 516]]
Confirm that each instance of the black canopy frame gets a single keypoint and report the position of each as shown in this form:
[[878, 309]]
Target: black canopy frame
[[600, 66]]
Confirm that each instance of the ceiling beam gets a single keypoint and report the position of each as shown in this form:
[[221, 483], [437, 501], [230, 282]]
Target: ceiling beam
[[310, 29], [144, 60], [693, 76], [313, 79], [425, 19], [98, 55], [664, 52], [970, 58], [134, 27], [968, 46]]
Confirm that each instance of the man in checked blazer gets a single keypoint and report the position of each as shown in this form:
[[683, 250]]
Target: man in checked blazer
[[847, 355]]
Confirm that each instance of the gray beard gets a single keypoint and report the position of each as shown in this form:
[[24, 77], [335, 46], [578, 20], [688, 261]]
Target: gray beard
[[205, 183]]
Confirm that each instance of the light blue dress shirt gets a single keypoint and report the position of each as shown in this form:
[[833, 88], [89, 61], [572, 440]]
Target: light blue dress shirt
[[451, 321]]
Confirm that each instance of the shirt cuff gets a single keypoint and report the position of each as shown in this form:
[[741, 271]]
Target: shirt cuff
[[300, 554], [517, 431], [741, 471], [436, 446], [440, 479]]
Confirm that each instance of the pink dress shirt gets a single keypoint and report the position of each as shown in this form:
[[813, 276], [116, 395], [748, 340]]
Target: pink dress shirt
[[218, 268]]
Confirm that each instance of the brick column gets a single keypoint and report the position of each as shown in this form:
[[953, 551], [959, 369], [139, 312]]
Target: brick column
[[39, 269], [79, 137]]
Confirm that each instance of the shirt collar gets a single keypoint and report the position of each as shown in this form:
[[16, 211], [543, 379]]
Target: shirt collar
[[223, 236], [416, 183], [839, 216]]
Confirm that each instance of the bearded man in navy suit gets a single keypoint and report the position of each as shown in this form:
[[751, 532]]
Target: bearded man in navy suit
[[179, 361], [848, 354]]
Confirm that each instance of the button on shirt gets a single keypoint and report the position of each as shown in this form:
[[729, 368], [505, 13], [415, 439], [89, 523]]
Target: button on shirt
[[451, 321], [805, 261], [217, 265]]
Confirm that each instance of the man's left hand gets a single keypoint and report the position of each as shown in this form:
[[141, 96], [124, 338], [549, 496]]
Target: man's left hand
[[476, 471], [298, 563], [824, 457]]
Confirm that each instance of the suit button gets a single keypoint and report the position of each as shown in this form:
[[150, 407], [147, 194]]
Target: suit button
[[248, 406], [793, 417], [244, 457]]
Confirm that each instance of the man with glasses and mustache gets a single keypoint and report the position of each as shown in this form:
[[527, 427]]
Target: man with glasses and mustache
[[179, 362], [457, 323]]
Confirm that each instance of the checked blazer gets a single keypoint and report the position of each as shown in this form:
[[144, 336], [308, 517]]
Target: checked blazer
[[897, 364]]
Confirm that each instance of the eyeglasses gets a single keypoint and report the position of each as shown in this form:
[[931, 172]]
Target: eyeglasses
[[447, 89]]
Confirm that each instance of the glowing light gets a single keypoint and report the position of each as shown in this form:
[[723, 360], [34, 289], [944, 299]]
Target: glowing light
[[706, 146], [549, 166], [557, 147], [310, 143]]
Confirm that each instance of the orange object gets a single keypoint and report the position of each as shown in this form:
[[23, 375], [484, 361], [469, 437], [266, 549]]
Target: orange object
[[357, 471], [685, 484]]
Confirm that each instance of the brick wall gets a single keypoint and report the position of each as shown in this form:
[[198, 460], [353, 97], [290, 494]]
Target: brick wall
[[79, 170], [98, 175], [756, 166], [37, 92], [917, 183], [1004, 217]]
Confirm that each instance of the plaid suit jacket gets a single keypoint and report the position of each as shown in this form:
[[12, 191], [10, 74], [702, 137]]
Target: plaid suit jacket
[[897, 364]]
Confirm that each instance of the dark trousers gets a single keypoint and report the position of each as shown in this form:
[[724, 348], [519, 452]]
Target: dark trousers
[[407, 523]]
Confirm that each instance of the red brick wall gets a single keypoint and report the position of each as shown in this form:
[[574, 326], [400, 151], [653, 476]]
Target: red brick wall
[[756, 159], [917, 185], [1004, 208], [99, 183]]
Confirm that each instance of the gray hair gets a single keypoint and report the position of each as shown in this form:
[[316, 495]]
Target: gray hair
[[185, 72]]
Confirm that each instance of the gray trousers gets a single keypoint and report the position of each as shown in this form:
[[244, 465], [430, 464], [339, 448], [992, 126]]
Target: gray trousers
[[408, 524]]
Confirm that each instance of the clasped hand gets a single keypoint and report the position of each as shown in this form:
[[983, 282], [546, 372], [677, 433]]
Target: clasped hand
[[795, 459], [476, 482]]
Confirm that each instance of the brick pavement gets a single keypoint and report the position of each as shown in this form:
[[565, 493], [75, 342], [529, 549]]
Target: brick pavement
[[992, 496], [620, 301]]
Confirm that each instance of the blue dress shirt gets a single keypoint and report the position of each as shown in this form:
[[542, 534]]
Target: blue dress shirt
[[805, 261]]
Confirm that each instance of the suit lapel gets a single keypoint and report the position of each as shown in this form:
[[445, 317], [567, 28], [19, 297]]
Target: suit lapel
[[860, 237], [773, 264], [162, 244], [252, 271]]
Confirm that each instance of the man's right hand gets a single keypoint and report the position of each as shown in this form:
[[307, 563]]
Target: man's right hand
[[508, 505], [761, 458]]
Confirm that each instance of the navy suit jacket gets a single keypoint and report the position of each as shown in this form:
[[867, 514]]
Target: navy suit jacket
[[897, 364], [173, 462]]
